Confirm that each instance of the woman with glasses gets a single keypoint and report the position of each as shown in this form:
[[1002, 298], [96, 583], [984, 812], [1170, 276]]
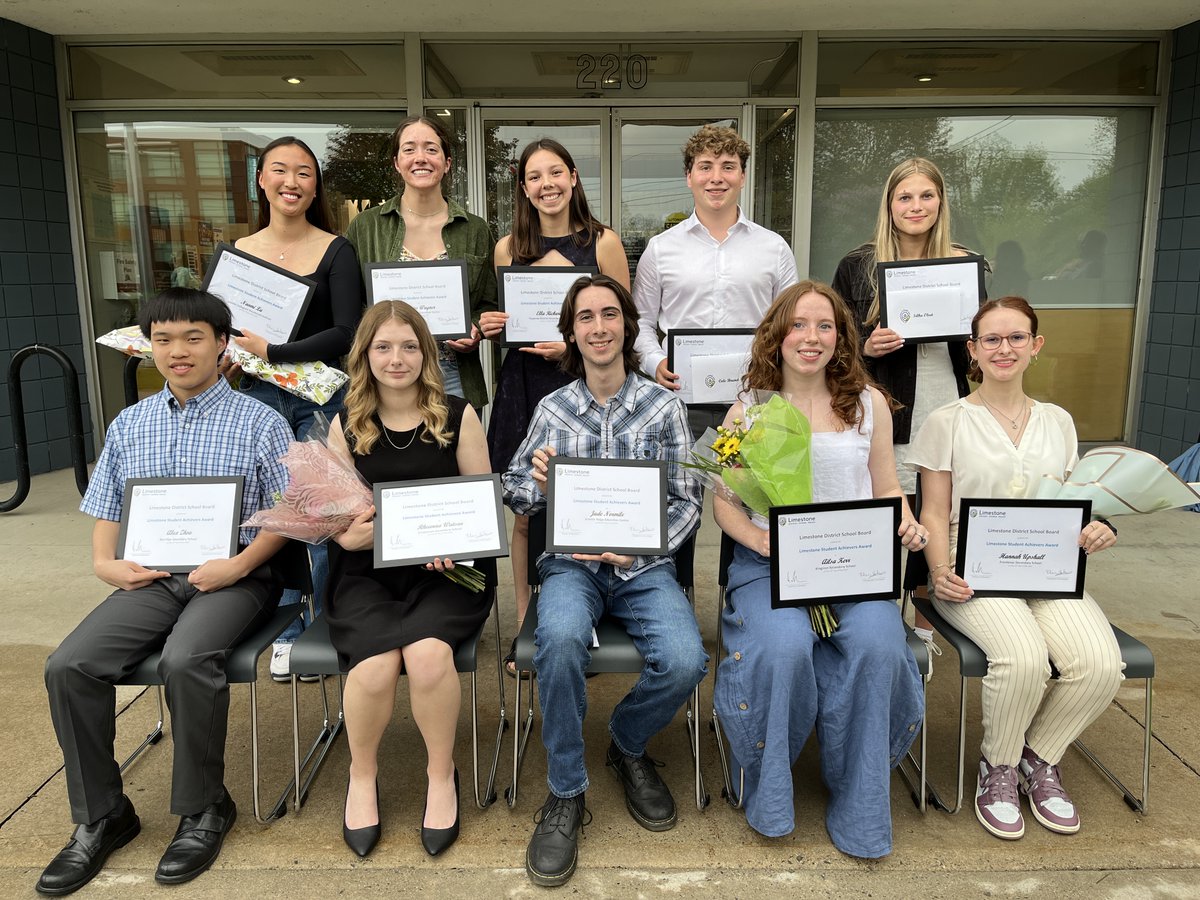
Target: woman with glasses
[[999, 442]]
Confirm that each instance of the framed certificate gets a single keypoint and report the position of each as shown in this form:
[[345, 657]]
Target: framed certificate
[[1022, 548], [533, 298], [461, 518], [437, 289], [175, 524], [596, 505], [710, 362], [930, 299], [835, 552], [263, 298]]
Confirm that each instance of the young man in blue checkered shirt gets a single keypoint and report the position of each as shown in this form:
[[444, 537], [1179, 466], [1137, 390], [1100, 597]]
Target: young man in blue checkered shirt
[[611, 412], [197, 426]]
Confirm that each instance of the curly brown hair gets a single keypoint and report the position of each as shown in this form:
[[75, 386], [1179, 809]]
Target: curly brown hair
[[716, 140], [845, 375]]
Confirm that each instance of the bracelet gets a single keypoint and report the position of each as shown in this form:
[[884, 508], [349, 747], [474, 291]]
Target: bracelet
[[1109, 525], [933, 571]]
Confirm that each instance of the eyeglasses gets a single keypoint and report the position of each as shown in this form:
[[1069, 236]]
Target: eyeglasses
[[1016, 340]]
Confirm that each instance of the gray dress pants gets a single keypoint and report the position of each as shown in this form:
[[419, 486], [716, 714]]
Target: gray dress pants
[[195, 631]]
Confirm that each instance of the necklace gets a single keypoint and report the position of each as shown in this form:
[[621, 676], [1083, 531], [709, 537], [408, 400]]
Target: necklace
[[410, 440], [421, 215], [284, 251], [1014, 423]]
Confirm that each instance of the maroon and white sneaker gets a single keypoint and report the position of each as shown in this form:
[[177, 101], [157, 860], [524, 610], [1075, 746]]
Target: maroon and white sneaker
[[1050, 803], [997, 801]]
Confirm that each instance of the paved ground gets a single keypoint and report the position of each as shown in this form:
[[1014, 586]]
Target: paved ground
[[1150, 586]]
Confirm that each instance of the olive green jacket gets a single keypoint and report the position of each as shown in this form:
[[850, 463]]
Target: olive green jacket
[[377, 234]]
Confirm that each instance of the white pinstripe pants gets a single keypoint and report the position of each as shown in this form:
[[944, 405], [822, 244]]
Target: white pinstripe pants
[[1021, 704]]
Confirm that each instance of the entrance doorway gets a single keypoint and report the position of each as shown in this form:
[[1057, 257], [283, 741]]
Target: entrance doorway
[[629, 159]]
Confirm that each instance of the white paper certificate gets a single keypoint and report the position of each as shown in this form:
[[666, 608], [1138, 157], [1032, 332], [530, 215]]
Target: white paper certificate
[[710, 362], [1022, 548], [596, 505], [931, 299], [835, 552], [262, 298], [533, 298], [175, 524], [460, 518], [437, 289]]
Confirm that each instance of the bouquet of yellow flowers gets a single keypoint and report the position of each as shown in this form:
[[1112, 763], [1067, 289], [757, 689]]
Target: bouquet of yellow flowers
[[761, 462]]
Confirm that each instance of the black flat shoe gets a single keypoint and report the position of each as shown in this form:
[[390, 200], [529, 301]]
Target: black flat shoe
[[197, 842], [435, 840], [362, 840], [85, 854]]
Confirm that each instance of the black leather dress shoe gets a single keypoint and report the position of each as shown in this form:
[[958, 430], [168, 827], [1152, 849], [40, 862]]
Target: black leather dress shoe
[[647, 798], [435, 840], [553, 849], [362, 840], [197, 842], [89, 848]]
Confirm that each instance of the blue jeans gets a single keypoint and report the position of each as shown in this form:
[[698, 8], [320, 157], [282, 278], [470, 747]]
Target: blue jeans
[[451, 377], [653, 609], [300, 415]]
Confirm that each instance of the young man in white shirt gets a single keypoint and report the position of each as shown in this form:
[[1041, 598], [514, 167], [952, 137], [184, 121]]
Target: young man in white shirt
[[716, 268]]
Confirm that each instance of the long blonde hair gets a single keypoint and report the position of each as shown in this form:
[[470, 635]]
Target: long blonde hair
[[362, 398], [885, 247]]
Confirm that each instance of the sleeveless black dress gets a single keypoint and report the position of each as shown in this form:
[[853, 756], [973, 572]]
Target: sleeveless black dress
[[373, 611], [526, 378]]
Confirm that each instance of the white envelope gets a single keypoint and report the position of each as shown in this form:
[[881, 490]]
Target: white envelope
[[716, 379]]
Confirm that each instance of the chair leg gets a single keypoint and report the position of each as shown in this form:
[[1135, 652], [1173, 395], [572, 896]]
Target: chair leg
[[155, 734], [962, 742], [732, 797], [693, 729], [1137, 805], [327, 736], [520, 738], [280, 807], [488, 796]]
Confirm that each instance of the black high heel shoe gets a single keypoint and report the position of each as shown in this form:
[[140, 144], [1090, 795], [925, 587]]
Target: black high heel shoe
[[362, 840], [435, 840]]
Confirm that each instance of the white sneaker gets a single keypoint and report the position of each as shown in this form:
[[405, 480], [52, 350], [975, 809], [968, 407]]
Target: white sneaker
[[281, 655], [997, 802]]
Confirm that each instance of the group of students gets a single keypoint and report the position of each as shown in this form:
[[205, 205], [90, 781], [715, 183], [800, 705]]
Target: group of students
[[605, 391]]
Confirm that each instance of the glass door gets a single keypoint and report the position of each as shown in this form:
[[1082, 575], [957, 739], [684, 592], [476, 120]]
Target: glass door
[[652, 194], [506, 132]]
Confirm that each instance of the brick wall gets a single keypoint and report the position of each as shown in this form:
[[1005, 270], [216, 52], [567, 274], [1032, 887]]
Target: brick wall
[[37, 273], [1170, 412]]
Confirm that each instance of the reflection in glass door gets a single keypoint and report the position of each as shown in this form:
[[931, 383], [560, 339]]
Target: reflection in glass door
[[506, 133], [653, 192]]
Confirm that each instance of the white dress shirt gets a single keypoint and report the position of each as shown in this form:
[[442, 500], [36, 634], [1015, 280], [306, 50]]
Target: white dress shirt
[[687, 279]]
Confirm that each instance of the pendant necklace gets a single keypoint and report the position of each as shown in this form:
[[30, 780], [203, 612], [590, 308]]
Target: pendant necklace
[[1014, 423], [421, 215], [284, 251]]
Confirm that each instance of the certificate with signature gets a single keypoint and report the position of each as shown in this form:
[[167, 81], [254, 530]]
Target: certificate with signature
[[930, 299], [533, 298], [175, 524], [835, 552], [459, 518], [710, 362], [437, 289], [1022, 548], [594, 505], [261, 297]]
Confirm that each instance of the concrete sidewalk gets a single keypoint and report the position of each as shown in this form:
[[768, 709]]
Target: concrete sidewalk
[[1150, 586]]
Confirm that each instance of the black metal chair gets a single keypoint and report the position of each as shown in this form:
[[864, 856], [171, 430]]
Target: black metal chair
[[240, 668], [616, 653], [915, 780], [313, 654], [1139, 663]]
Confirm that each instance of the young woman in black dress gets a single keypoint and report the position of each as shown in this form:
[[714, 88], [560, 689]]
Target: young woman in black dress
[[400, 424], [552, 226]]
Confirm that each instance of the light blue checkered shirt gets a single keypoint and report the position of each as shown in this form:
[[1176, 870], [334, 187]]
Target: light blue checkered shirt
[[218, 433], [640, 421]]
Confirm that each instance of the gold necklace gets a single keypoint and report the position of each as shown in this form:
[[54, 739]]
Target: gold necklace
[[410, 440], [283, 252], [1015, 423], [421, 215]]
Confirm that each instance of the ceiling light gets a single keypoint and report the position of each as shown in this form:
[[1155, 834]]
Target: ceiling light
[[293, 79], [445, 114], [925, 79]]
